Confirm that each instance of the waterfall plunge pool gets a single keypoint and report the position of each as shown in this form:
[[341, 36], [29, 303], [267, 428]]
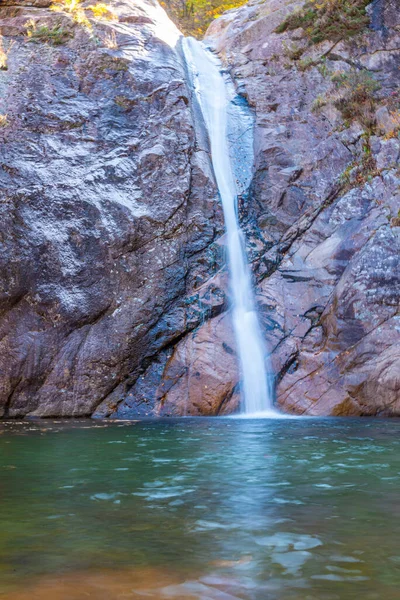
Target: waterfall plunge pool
[[296, 509]]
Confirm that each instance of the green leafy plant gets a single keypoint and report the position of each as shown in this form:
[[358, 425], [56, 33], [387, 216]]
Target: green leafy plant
[[353, 95], [319, 102], [306, 63], [322, 68]]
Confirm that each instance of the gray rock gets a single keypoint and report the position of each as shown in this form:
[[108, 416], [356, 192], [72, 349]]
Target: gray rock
[[109, 212], [386, 122], [328, 274]]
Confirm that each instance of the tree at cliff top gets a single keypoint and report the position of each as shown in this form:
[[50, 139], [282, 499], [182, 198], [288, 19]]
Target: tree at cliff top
[[194, 16]]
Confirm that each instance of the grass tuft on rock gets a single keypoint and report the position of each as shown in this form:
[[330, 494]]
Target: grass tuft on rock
[[75, 10], [353, 95], [102, 11], [55, 35], [332, 20], [358, 173], [4, 54]]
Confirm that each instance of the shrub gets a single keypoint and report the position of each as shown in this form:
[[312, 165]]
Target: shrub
[[55, 35], [395, 120], [124, 102], [74, 9], [294, 52], [113, 64], [323, 68], [353, 95], [319, 102], [355, 98], [361, 171], [101, 11], [110, 41], [4, 54], [332, 20], [306, 63]]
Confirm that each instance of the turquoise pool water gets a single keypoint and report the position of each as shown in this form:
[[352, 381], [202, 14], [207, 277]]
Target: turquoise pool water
[[299, 509]]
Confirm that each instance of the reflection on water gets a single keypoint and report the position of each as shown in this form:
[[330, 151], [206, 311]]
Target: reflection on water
[[200, 509]]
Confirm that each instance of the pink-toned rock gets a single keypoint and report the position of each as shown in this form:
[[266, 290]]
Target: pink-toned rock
[[329, 272], [201, 376]]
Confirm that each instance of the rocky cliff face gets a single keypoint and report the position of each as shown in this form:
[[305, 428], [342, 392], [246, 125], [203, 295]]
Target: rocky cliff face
[[113, 285], [324, 215], [109, 210]]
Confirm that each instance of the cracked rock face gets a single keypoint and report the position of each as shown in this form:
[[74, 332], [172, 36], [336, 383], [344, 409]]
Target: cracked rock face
[[113, 283], [325, 249], [109, 211]]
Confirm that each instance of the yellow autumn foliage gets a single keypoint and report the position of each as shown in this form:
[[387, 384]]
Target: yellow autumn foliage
[[194, 16]]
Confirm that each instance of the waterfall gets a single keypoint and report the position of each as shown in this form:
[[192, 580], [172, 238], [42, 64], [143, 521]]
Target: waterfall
[[215, 102]]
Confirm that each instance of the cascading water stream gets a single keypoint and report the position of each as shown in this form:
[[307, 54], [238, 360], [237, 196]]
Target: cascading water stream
[[211, 91]]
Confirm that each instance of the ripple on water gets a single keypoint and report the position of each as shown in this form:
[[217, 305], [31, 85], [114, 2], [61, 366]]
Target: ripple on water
[[284, 541], [333, 577], [202, 510], [202, 525], [163, 493], [291, 561], [105, 496]]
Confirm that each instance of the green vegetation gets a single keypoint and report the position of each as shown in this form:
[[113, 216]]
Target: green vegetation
[[194, 16], [306, 63], [55, 35], [332, 20], [323, 68], [395, 133], [294, 52], [124, 103], [320, 101], [112, 64], [354, 96], [78, 14], [362, 171]]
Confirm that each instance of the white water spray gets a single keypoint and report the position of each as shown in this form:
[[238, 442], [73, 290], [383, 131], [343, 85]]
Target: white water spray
[[212, 94]]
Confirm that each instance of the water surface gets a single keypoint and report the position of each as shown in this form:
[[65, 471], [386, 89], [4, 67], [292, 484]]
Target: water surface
[[303, 509]]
